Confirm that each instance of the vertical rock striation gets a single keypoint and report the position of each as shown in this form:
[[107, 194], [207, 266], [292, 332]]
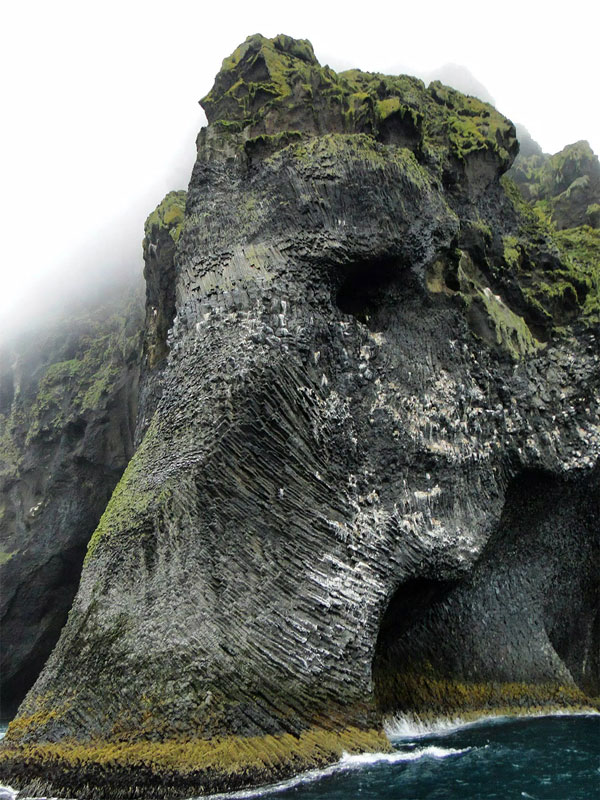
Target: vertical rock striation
[[373, 444]]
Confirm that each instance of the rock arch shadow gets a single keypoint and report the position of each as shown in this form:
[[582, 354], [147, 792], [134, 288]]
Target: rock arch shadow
[[522, 629]]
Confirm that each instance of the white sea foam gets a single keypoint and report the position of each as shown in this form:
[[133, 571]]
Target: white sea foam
[[346, 763], [8, 793], [411, 726], [363, 759], [398, 728]]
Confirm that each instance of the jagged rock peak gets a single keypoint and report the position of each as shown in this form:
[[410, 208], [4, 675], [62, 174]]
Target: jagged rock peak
[[271, 87]]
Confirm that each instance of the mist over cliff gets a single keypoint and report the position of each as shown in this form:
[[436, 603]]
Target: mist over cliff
[[102, 99]]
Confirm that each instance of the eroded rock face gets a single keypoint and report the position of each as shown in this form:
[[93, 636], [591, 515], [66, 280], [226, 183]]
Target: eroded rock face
[[526, 614], [161, 234], [566, 184], [362, 367], [68, 399]]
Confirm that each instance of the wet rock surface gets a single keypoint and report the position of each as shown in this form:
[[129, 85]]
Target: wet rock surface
[[381, 369]]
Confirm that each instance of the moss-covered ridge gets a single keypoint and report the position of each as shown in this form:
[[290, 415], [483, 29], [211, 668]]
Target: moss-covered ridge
[[272, 94], [554, 274], [132, 498], [427, 693], [167, 216], [178, 768], [270, 86], [564, 186]]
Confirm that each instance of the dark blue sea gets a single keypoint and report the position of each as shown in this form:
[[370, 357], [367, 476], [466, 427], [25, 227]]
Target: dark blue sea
[[544, 758], [540, 758]]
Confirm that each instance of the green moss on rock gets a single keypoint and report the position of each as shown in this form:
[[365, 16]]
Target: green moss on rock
[[557, 271], [268, 83], [580, 248], [10, 452], [564, 186], [76, 374], [5, 557], [490, 317], [168, 215], [593, 215], [72, 387], [133, 496], [430, 695], [338, 149], [475, 126]]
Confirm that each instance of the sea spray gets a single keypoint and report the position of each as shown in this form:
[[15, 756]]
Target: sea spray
[[413, 726], [345, 764], [547, 756]]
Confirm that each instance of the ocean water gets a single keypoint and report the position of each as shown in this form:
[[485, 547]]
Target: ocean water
[[541, 758]]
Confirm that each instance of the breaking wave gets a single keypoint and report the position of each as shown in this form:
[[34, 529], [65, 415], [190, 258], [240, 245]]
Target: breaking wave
[[495, 757], [411, 726], [346, 763]]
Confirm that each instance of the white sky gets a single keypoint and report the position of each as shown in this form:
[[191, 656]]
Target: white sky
[[100, 99]]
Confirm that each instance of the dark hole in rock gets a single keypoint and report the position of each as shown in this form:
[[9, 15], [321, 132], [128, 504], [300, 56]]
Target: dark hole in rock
[[401, 130], [370, 290], [532, 597], [451, 277], [406, 609], [74, 430]]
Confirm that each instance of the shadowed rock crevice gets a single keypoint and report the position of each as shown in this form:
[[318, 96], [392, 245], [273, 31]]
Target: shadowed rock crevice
[[409, 605], [371, 290], [44, 622], [162, 231]]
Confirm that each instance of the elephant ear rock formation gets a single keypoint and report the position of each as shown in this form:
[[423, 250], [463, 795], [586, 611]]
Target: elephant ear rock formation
[[369, 478]]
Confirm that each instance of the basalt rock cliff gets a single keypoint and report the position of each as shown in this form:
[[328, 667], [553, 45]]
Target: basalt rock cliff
[[367, 477], [77, 389], [68, 405]]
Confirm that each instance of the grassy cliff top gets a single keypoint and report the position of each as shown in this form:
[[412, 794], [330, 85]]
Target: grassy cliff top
[[268, 86], [168, 215]]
